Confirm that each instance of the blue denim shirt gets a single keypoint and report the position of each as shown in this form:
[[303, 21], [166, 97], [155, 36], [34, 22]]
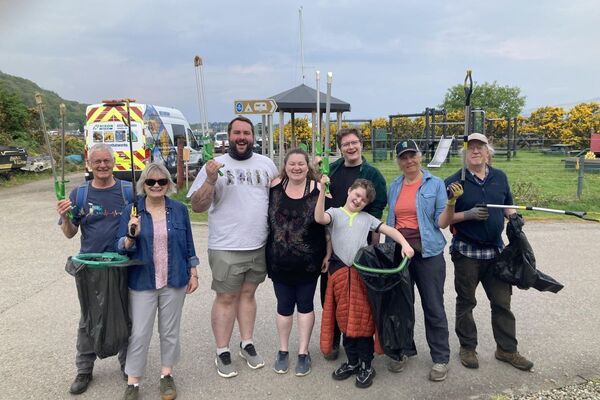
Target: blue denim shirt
[[181, 252], [431, 201]]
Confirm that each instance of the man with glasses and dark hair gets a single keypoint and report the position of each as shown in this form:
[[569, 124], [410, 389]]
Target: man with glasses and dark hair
[[237, 200], [96, 208], [342, 173]]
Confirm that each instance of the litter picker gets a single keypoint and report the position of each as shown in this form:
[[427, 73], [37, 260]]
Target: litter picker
[[133, 227], [578, 214], [59, 186], [207, 147], [468, 86]]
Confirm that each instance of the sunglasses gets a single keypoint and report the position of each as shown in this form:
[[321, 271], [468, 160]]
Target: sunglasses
[[161, 182]]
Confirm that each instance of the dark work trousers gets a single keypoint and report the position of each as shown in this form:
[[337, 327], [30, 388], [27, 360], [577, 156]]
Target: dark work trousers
[[359, 349], [468, 272], [429, 275], [84, 360], [336, 330]]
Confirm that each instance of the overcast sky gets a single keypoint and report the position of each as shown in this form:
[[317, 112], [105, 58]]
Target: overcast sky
[[387, 57]]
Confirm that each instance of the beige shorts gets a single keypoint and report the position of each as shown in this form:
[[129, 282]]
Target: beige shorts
[[231, 268]]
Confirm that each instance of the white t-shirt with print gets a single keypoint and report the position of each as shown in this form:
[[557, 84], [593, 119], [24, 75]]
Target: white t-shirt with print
[[237, 217]]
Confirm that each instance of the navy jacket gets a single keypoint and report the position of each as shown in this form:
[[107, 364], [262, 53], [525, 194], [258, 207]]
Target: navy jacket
[[181, 252], [495, 190]]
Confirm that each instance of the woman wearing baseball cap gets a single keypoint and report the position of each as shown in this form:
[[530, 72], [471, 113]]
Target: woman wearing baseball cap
[[417, 203]]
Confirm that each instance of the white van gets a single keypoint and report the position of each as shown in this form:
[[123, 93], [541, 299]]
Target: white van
[[155, 131]]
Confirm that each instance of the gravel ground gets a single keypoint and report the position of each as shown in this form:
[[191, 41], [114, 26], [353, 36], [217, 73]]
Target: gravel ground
[[584, 391]]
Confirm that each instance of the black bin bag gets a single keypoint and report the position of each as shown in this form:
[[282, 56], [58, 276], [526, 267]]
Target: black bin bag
[[390, 295], [516, 263], [103, 297]]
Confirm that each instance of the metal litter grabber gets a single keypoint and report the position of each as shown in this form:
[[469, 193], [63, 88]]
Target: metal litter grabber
[[578, 214], [207, 147], [468, 92], [59, 186]]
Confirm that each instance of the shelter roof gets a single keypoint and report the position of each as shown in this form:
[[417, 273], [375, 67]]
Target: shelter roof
[[303, 99]]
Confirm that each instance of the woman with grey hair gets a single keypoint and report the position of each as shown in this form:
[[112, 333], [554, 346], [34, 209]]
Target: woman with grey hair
[[162, 240]]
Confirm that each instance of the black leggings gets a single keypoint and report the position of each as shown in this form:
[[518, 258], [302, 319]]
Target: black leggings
[[300, 295]]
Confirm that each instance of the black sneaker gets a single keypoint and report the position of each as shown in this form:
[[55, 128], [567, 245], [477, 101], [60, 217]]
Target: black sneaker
[[80, 384], [365, 376], [345, 371]]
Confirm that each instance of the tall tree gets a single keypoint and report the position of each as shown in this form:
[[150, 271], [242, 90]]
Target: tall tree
[[505, 101]]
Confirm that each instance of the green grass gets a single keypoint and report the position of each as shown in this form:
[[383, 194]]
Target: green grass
[[536, 180]]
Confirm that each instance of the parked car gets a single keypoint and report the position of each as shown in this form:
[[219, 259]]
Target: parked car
[[221, 143]]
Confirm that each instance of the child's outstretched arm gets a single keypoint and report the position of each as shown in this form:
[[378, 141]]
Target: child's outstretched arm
[[387, 230], [320, 215]]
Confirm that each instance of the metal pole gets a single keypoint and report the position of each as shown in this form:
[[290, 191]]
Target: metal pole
[[271, 137], [318, 78], [468, 91], [62, 109], [580, 176], [281, 136], [38, 100], [327, 110], [508, 138], [263, 130]]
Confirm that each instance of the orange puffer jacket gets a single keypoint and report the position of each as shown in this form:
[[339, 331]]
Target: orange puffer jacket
[[347, 303]]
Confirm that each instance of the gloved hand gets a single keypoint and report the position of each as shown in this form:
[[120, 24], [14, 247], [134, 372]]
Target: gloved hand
[[454, 191], [477, 213]]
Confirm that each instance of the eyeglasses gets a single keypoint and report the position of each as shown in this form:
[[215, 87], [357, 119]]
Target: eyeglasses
[[161, 182], [107, 161], [348, 144]]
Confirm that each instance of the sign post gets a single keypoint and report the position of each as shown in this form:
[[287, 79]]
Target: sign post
[[266, 108], [263, 107]]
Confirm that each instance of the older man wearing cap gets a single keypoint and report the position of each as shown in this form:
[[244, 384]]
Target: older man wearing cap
[[419, 208], [476, 243]]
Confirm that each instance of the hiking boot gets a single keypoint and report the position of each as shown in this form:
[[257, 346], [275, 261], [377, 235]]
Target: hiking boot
[[397, 365], [167, 388], [225, 368], [303, 365], [333, 355], [253, 359], [345, 371], [468, 358], [131, 393], [80, 384], [438, 372], [514, 359], [365, 376], [281, 364]]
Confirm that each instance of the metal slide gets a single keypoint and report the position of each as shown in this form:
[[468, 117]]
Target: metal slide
[[441, 152]]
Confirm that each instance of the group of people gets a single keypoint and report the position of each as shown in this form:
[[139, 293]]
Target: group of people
[[297, 228]]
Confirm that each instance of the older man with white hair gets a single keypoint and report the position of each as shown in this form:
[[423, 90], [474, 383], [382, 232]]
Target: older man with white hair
[[476, 243]]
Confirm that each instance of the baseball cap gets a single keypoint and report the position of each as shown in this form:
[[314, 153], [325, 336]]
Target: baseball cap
[[477, 136], [406, 145]]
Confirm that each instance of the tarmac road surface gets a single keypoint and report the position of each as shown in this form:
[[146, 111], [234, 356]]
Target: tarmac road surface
[[39, 311]]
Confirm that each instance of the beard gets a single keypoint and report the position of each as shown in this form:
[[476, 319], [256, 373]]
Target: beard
[[233, 152]]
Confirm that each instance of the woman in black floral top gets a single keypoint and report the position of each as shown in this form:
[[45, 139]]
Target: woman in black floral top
[[296, 254]]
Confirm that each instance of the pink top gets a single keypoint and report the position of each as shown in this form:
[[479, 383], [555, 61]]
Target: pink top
[[160, 256]]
